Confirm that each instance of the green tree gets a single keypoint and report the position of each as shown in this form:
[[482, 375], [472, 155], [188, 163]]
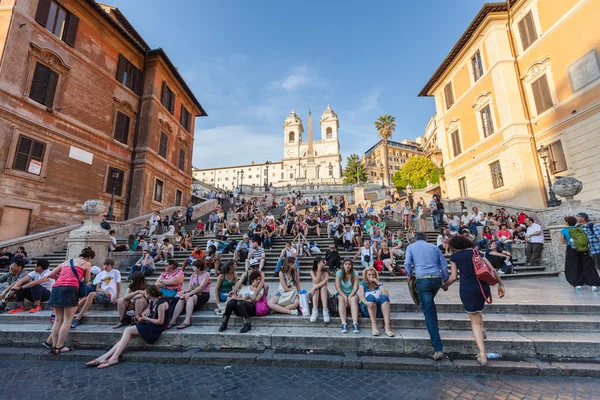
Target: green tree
[[417, 172], [385, 125], [355, 171]]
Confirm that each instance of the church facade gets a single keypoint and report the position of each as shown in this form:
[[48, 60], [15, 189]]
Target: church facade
[[304, 161]]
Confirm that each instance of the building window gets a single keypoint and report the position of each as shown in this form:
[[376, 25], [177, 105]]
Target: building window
[[118, 182], [43, 85], [167, 98], [541, 94], [486, 121], [29, 155], [477, 66], [556, 160], [527, 31], [282, 175], [291, 176], [162, 147], [291, 137], [129, 75], [178, 196], [158, 190], [185, 118], [462, 186], [496, 171], [182, 159], [449, 95], [329, 133], [57, 20], [122, 127], [456, 148]]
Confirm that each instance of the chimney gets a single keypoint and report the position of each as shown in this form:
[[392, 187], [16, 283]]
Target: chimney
[[252, 162]]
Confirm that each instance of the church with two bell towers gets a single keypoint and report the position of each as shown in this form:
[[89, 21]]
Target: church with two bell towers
[[312, 161], [305, 161]]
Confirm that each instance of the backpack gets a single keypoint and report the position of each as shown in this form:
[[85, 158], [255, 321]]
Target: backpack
[[579, 239], [484, 273]]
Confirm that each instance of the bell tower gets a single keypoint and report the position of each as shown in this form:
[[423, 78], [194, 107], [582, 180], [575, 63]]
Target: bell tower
[[292, 135], [329, 125]]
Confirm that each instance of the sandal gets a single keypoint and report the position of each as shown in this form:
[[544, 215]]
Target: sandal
[[183, 326], [169, 326], [119, 325], [54, 350], [390, 334], [65, 351], [375, 333], [482, 360], [107, 364]]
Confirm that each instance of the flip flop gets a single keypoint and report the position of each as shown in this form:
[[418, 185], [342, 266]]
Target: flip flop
[[390, 333], [107, 364], [119, 325], [375, 333], [183, 326]]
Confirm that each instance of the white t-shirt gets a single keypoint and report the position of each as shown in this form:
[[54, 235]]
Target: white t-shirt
[[465, 219], [440, 240], [454, 221], [535, 228], [34, 276], [113, 243], [108, 281], [479, 217], [366, 252]]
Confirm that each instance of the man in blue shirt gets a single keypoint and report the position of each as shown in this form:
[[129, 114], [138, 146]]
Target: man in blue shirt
[[430, 269]]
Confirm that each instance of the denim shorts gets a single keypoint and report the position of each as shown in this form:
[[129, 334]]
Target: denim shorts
[[102, 298], [223, 296], [364, 310]]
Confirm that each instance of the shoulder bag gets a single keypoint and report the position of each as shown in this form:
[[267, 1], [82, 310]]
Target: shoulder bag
[[483, 272], [82, 286]]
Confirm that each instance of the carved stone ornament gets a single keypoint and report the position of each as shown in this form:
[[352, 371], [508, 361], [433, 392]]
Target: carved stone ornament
[[453, 125], [481, 100], [49, 58], [536, 69], [567, 187], [165, 126], [90, 227], [125, 106]]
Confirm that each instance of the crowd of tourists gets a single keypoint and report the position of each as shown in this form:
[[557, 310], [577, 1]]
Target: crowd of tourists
[[475, 241]]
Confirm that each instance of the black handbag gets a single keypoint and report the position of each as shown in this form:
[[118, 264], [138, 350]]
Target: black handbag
[[82, 286]]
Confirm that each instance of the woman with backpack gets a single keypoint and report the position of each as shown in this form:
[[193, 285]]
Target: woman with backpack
[[579, 265], [473, 292]]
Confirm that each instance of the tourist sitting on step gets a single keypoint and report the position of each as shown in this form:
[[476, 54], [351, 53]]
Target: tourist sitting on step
[[213, 219], [312, 225], [360, 211], [397, 248], [289, 251], [453, 222], [374, 301], [252, 226], [387, 258], [5, 257], [319, 275], [171, 280], [20, 255], [487, 237], [472, 290], [134, 296], [145, 265], [195, 297], [213, 258], [289, 281], [108, 289], [200, 228], [245, 300], [504, 241], [366, 253], [377, 239], [132, 243], [233, 228], [166, 252], [224, 286], [256, 256], [371, 211], [442, 240], [338, 236], [154, 249], [258, 234], [187, 242], [34, 287], [8, 282], [197, 254], [150, 325], [332, 227], [357, 237], [346, 284], [179, 241], [497, 257], [268, 232], [112, 245]]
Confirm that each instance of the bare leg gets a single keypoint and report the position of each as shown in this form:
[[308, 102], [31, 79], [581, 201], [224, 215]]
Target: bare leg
[[177, 312], [477, 328], [372, 307], [189, 309], [88, 303], [354, 308], [324, 294], [342, 304], [315, 298], [65, 328], [118, 348], [272, 303], [59, 317], [140, 306], [385, 310], [122, 306]]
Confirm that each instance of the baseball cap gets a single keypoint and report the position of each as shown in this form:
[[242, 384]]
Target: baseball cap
[[583, 215], [95, 270]]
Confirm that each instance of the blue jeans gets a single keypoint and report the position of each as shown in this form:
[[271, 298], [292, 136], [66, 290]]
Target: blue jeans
[[507, 246], [483, 243], [280, 264], [427, 289], [435, 220], [453, 228], [473, 228], [135, 268], [364, 310]]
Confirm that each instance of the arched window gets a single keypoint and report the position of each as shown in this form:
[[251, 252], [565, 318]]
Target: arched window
[[292, 137], [329, 133]]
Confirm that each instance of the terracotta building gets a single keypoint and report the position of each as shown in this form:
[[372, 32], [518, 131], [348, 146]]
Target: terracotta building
[[398, 155], [85, 103], [518, 99]]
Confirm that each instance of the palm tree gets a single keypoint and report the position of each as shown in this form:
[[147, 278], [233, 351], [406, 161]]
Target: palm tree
[[385, 125]]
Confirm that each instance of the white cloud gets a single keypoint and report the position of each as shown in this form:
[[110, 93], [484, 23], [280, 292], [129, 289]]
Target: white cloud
[[300, 76], [234, 145]]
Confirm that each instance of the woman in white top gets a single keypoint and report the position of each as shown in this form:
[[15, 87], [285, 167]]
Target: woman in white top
[[289, 279], [366, 254], [406, 215]]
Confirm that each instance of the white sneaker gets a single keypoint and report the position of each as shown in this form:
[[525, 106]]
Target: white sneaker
[[579, 288], [326, 318], [314, 315], [594, 288], [294, 313]]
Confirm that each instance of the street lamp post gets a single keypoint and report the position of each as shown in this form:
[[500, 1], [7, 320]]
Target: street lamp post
[[241, 181], [238, 180], [114, 174], [267, 180], [551, 201]]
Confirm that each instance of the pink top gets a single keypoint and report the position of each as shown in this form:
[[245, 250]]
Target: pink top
[[66, 277], [505, 233], [169, 276], [196, 280], [488, 236]]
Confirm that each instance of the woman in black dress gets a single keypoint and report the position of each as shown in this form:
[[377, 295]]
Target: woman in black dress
[[470, 288], [150, 325]]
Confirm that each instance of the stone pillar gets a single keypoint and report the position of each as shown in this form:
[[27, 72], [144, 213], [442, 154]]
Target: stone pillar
[[90, 234], [418, 225], [359, 195]]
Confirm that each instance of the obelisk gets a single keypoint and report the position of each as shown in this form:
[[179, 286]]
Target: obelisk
[[310, 166]]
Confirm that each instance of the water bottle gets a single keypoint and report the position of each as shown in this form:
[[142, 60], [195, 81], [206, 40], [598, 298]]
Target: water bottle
[[572, 244], [493, 356], [52, 318]]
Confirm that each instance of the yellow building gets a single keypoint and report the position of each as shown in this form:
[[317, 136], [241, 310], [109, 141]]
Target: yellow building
[[524, 74], [398, 155]]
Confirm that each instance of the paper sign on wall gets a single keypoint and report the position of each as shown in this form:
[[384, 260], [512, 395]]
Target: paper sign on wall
[[81, 155], [35, 167]]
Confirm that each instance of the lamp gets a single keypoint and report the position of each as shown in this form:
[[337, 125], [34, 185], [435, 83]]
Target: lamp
[[114, 174], [551, 200], [241, 181], [267, 163]]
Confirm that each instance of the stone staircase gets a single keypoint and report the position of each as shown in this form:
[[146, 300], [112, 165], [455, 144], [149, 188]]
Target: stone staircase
[[538, 328]]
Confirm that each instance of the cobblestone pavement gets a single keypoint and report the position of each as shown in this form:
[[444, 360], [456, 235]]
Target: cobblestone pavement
[[71, 380]]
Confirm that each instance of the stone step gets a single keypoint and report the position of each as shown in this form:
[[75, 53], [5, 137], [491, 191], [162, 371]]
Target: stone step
[[399, 320], [324, 339]]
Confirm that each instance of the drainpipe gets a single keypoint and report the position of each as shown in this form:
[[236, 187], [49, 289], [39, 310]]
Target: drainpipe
[[135, 141], [524, 102]]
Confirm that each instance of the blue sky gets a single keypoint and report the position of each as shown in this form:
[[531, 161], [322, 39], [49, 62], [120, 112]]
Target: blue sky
[[249, 62]]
